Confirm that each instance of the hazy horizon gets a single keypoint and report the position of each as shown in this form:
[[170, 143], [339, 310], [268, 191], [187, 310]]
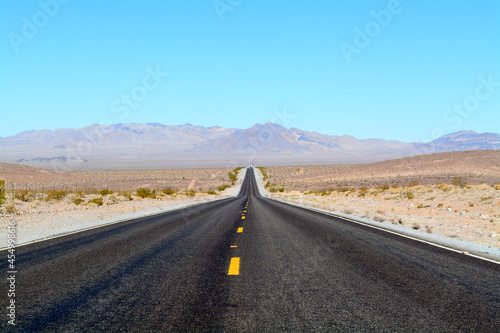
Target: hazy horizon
[[237, 128]]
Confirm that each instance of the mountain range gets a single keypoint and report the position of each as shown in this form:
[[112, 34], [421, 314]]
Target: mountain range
[[153, 145]]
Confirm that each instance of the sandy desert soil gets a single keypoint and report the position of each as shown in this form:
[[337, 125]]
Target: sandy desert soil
[[455, 194], [477, 167], [39, 214], [23, 177]]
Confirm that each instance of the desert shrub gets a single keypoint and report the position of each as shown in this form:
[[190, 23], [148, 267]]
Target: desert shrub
[[112, 200], [80, 194], [267, 184], [190, 193], [416, 226], [281, 189], [362, 191], [145, 193], [394, 186], [412, 183], [264, 174], [23, 195], [443, 187], [459, 182], [212, 192], [97, 201], [342, 189], [105, 192], [233, 177], [168, 191], [127, 195], [55, 195], [78, 201], [273, 189], [440, 205], [2, 192], [497, 186], [10, 208], [408, 195], [384, 187], [222, 187], [486, 198]]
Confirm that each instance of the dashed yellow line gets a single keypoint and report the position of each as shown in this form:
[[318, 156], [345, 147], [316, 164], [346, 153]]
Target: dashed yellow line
[[234, 246], [234, 266], [240, 230], [243, 217]]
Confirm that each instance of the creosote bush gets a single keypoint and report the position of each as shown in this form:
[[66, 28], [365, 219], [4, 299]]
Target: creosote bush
[[459, 181], [168, 191], [105, 192], [408, 195], [97, 201], [2, 192], [190, 193], [145, 193], [23, 195], [78, 201], [55, 195], [222, 187]]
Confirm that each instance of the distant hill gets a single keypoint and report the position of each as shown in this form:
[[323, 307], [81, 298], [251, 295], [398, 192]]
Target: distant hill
[[153, 145]]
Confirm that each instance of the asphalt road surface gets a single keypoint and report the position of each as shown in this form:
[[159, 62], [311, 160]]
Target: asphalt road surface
[[248, 264]]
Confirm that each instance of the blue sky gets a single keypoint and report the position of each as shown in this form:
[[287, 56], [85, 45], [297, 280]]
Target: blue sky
[[404, 70]]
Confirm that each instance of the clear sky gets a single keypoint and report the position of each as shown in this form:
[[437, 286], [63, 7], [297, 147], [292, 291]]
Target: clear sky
[[404, 70]]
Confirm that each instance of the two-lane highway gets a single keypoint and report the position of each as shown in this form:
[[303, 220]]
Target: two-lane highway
[[249, 264]]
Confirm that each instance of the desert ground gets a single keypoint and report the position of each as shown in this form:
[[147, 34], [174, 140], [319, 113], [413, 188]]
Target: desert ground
[[454, 194], [45, 202]]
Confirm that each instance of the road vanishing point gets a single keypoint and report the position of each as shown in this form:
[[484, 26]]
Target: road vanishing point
[[248, 264]]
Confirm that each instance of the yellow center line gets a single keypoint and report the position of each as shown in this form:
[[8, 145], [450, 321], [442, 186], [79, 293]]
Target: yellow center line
[[244, 211], [234, 266], [240, 230], [243, 217], [234, 246]]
